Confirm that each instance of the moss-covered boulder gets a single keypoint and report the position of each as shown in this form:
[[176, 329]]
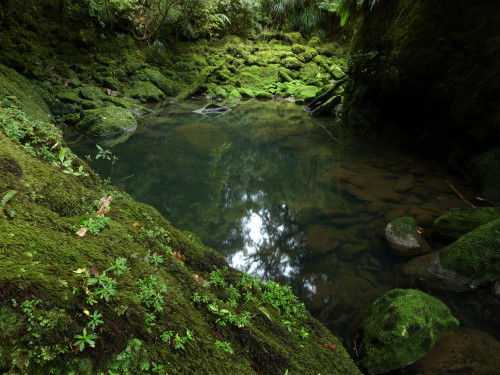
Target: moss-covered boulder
[[459, 221], [291, 62], [234, 95], [107, 121], [92, 93], [167, 85], [401, 327], [475, 255], [146, 92]]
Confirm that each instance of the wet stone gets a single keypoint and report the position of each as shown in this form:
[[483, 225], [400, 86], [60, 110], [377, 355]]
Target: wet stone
[[402, 236], [404, 183]]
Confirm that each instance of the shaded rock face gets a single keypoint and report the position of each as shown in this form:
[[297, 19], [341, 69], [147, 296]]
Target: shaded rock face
[[431, 70], [401, 327], [459, 221]]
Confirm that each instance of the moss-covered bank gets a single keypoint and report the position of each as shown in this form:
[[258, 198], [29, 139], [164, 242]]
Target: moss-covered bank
[[133, 295], [430, 70]]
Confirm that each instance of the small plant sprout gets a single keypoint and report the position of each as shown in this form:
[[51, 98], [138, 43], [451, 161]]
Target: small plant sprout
[[224, 345], [119, 268], [156, 259], [95, 320], [303, 333], [83, 339], [107, 155]]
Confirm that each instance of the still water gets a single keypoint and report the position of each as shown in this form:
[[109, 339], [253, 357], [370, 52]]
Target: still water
[[286, 196]]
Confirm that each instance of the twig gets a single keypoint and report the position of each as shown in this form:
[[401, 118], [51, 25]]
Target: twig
[[460, 195]]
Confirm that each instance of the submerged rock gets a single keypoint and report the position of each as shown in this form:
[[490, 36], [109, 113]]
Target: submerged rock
[[400, 328], [462, 351], [459, 221], [213, 108], [107, 121]]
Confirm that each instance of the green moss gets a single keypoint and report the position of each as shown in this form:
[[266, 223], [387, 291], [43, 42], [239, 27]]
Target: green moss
[[107, 121], [92, 93], [459, 221], [246, 93], [167, 85], [401, 327], [475, 254], [234, 95], [146, 92], [17, 90], [292, 63]]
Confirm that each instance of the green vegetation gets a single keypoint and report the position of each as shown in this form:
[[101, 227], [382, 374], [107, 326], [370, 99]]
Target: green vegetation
[[401, 327]]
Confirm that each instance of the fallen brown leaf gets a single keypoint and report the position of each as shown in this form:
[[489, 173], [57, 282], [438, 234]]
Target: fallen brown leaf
[[180, 257], [329, 345]]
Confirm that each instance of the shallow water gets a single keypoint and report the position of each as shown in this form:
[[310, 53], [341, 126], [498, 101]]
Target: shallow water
[[288, 197]]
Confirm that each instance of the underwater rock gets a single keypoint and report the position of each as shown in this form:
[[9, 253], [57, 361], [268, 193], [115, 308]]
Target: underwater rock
[[213, 108], [322, 238], [107, 121], [461, 351], [403, 237], [400, 328], [459, 221], [404, 183]]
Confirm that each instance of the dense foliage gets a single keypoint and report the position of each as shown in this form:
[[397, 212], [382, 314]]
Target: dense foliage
[[153, 19]]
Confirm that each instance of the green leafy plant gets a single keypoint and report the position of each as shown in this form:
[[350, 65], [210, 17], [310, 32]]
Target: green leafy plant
[[84, 339], [180, 341], [224, 345], [95, 320], [6, 198], [107, 155], [66, 164], [119, 268]]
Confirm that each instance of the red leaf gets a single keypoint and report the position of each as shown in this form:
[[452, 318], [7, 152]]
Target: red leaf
[[95, 272], [180, 257], [329, 345], [199, 278]]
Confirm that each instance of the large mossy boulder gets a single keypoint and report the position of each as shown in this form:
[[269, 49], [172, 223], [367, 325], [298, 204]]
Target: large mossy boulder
[[475, 255], [401, 327], [428, 69], [146, 92], [167, 85], [106, 121], [459, 221]]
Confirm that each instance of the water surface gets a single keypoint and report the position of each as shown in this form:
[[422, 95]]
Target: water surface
[[285, 196]]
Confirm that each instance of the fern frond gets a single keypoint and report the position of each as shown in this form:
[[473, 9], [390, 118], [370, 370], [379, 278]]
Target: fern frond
[[7, 197]]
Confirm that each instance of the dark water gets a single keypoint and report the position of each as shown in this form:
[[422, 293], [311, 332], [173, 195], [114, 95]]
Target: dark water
[[288, 197]]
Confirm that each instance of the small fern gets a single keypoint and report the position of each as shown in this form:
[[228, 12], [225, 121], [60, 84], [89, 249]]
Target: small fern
[[7, 197]]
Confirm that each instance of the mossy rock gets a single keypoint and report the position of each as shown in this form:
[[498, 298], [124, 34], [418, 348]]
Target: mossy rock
[[293, 38], [264, 95], [475, 255], [298, 49], [402, 236], [305, 94], [246, 93], [91, 93], [292, 63], [146, 92], [68, 96], [106, 121], [17, 90], [459, 221], [234, 95], [167, 85], [401, 327], [486, 167], [133, 105]]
